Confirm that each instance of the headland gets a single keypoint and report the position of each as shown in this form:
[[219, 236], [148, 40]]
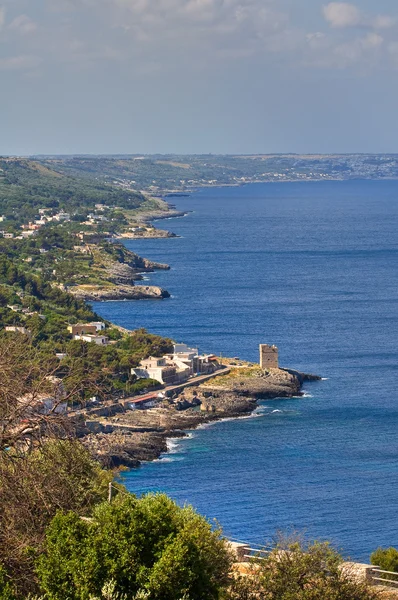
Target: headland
[[137, 430]]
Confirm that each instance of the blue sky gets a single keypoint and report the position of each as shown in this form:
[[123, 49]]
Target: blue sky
[[196, 76]]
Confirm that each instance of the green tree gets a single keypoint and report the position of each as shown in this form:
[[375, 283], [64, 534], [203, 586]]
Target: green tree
[[146, 545], [386, 558]]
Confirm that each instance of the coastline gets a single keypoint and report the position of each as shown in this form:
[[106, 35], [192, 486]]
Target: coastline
[[130, 437]]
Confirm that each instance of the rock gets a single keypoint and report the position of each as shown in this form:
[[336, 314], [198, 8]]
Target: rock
[[277, 383], [120, 292]]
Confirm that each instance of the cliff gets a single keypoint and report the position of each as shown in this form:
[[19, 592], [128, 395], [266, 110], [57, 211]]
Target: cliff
[[92, 293]]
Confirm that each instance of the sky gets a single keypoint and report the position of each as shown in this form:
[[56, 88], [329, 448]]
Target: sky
[[198, 76]]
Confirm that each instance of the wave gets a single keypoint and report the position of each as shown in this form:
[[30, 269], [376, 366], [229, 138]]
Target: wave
[[169, 459], [172, 445]]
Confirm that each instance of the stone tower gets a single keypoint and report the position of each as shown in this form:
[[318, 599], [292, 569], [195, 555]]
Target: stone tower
[[268, 357]]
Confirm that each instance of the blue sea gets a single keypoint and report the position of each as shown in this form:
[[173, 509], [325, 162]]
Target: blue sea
[[312, 268]]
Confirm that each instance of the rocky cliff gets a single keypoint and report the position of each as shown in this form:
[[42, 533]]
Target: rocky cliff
[[92, 293]]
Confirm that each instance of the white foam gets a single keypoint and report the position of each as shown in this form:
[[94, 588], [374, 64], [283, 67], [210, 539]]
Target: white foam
[[172, 445], [169, 459]]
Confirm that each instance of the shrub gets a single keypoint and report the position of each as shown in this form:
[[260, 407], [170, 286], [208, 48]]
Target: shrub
[[295, 571], [386, 558], [146, 546]]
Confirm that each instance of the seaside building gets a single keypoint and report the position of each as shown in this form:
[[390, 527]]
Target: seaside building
[[269, 357], [100, 340], [177, 367], [99, 325], [82, 328], [166, 370], [87, 328]]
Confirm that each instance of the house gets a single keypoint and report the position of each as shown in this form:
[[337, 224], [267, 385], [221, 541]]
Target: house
[[100, 340], [82, 328], [165, 370], [186, 355], [14, 329], [99, 325], [62, 216], [205, 363]]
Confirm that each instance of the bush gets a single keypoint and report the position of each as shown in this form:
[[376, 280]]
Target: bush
[[386, 558], [146, 546], [295, 571]]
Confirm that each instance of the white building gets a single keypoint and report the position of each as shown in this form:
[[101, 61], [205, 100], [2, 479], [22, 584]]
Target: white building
[[14, 329], [165, 370], [99, 325], [100, 340]]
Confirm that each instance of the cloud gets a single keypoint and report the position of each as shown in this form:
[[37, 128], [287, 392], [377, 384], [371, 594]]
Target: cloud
[[372, 40], [19, 63], [23, 25], [384, 22], [342, 14]]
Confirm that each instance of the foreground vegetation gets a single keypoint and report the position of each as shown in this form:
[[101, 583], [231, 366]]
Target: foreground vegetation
[[63, 541]]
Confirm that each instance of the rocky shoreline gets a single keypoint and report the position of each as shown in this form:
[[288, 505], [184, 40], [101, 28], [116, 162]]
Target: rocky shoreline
[[133, 436], [119, 292]]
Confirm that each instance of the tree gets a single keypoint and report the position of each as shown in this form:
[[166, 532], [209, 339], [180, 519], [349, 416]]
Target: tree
[[32, 396], [58, 475], [144, 546], [386, 558], [296, 571]]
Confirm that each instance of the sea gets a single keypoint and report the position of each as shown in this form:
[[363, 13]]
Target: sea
[[313, 268]]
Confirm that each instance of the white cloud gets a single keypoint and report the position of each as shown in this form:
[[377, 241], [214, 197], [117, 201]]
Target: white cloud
[[372, 40], [23, 25], [342, 14], [18, 63], [384, 22]]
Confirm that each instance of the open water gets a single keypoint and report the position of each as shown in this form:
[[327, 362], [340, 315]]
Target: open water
[[311, 267]]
